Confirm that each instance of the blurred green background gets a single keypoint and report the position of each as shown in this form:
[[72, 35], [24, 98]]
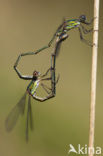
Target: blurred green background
[[26, 26]]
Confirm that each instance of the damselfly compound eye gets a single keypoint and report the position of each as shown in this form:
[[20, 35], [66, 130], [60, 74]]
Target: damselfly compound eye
[[82, 18]]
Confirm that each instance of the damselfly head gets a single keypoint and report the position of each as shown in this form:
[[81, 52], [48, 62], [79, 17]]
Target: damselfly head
[[82, 18], [36, 73]]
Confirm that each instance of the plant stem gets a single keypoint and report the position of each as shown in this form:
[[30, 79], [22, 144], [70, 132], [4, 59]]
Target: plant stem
[[93, 76]]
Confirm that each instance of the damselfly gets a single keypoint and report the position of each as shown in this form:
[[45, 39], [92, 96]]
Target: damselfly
[[36, 80], [62, 32]]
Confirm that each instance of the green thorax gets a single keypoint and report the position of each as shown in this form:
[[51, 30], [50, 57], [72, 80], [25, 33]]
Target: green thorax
[[72, 24], [69, 24], [32, 87]]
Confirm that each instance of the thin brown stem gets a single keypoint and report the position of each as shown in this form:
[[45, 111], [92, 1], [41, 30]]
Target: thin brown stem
[[93, 77]]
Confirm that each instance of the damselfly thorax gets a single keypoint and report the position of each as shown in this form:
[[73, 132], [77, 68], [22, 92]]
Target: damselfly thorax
[[32, 87], [68, 25]]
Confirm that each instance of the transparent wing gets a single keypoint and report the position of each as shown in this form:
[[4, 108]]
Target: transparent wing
[[15, 113]]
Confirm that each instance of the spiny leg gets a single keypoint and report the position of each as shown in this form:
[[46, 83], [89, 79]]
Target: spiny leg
[[46, 88], [89, 23], [45, 73], [53, 83], [52, 78], [57, 79], [15, 113], [85, 31], [52, 69], [84, 40], [49, 95], [61, 38], [43, 99]]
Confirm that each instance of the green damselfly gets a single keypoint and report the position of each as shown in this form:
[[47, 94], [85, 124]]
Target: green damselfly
[[36, 80], [62, 32]]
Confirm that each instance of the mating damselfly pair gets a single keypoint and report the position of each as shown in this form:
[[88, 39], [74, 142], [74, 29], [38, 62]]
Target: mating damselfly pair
[[37, 79]]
